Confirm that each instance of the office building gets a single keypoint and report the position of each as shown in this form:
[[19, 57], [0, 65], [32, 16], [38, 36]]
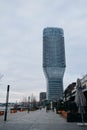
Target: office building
[[54, 61], [42, 96]]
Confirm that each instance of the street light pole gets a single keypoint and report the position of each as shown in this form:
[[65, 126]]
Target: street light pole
[[28, 103], [6, 107]]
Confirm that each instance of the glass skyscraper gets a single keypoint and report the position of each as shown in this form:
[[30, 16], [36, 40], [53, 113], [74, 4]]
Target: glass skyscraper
[[54, 61]]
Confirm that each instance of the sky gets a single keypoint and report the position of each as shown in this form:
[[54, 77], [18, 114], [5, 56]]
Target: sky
[[21, 43]]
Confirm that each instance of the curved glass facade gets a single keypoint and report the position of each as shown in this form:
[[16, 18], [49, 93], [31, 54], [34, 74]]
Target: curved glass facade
[[54, 61]]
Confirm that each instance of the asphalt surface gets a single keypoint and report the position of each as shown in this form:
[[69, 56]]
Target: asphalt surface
[[37, 120]]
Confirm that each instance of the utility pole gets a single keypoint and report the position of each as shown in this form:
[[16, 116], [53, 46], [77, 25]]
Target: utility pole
[[6, 107]]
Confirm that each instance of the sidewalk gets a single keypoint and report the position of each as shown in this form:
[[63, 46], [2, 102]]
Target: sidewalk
[[37, 120]]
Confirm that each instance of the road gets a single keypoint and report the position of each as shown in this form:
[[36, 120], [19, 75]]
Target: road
[[37, 120]]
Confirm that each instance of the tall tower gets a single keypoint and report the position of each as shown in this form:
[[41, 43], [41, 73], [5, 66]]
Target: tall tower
[[54, 61]]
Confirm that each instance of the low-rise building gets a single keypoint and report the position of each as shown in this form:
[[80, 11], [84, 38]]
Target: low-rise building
[[84, 85], [70, 91]]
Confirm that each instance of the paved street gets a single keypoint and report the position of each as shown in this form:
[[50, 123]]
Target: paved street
[[37, 120]]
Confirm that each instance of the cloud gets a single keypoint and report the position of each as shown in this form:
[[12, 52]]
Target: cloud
[[21, 43]]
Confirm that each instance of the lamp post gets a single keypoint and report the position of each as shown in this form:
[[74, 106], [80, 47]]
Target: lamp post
[[28, 103], [6, 107]]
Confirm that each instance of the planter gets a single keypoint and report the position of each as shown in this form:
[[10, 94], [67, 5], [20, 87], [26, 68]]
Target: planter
[[76, 117], [59, 112], [22, 109], [13, 111], [1, 113], [64, 114]]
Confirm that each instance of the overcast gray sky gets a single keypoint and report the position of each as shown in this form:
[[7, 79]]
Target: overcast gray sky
[[21, 29]]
